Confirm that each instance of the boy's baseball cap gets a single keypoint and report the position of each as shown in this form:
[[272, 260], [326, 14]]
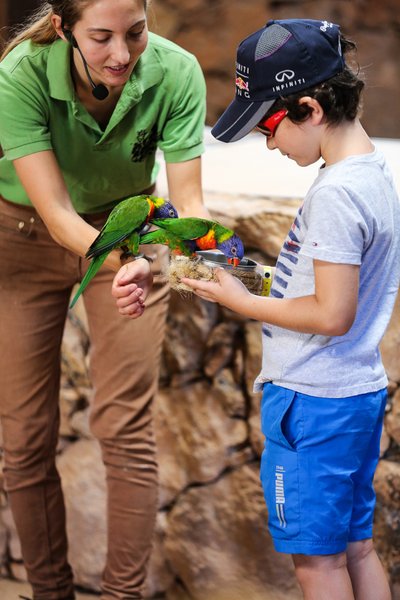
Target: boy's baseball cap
[[280, 59]]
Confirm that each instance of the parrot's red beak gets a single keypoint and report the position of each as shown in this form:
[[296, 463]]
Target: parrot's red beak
[[234, 261]]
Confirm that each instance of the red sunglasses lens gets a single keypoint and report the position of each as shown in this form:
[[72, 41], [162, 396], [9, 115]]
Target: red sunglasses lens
[[269, 125]]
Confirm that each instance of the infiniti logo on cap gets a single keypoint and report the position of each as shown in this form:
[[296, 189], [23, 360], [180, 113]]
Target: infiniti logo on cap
[[284, 75]]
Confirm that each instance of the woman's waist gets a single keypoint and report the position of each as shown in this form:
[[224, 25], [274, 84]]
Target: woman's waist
[[16, 208]]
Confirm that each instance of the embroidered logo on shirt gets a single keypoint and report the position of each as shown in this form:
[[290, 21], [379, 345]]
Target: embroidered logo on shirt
[[145, 144]]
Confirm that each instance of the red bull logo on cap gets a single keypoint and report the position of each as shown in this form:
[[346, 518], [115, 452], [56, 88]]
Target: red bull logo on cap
[[241, 81], [241, 84]]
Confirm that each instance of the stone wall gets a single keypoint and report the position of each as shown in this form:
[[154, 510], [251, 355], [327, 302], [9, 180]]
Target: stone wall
[[211, 541], [212, 29]]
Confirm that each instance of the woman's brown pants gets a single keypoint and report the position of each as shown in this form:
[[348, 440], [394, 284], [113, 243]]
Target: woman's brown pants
[[36, 278]]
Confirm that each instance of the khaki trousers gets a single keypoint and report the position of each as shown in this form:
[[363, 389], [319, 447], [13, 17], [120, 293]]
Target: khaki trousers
[[36, 278]]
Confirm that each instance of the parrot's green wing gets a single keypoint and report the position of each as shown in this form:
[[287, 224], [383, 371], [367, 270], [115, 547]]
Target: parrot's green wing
[[125, 218], [90, 273], [186, 228], [161, 236]]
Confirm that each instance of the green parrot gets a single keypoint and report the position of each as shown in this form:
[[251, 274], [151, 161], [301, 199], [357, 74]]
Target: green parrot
[[189, 234], [122, 229]]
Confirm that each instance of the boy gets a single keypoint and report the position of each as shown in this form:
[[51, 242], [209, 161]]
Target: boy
[[335, 283]]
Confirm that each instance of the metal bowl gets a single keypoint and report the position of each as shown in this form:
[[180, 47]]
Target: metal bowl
[[214, 258]]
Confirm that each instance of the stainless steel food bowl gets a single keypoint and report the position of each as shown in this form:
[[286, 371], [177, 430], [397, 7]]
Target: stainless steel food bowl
[[214, 258]]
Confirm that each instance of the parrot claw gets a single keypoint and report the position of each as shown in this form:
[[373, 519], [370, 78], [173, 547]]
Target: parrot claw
[[128, 254], [145, 256]]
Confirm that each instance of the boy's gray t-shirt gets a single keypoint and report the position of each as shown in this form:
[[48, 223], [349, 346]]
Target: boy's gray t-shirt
[[351, 215]]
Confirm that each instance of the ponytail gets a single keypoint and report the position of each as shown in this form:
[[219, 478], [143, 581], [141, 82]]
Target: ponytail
[[38, 28]]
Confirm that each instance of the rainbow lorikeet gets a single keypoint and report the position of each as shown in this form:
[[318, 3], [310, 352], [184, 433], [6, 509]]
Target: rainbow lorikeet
[[188, 234], [122, 229]]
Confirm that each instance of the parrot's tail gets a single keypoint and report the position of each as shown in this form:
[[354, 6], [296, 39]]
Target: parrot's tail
[[90, 273]]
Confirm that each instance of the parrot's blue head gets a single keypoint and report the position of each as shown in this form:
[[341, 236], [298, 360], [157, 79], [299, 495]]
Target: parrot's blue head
[[233, 249], [165, 211]]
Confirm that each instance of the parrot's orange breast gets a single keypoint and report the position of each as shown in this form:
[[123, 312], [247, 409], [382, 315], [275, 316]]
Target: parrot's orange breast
[[151, 210], [207, 242]]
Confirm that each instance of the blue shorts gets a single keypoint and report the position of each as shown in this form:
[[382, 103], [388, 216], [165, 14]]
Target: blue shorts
[[317, 468]]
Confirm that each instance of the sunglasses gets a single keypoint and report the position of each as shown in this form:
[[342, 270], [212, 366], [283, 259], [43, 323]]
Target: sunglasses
[[270, 125]]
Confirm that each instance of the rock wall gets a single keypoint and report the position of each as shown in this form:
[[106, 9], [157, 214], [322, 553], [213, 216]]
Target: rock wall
[[211, 541], [212, 29]]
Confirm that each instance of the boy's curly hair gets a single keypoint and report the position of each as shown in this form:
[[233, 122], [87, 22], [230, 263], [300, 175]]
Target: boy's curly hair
[[339, 96]]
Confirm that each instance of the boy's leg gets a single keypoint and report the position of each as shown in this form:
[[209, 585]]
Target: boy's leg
[[324, 577], [317, 481], [366, 572], [356, 575]]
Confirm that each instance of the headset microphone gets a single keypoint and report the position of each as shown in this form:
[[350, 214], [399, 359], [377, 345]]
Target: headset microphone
[[100, 92]]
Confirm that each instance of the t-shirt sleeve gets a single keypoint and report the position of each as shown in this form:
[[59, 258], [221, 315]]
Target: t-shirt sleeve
[[337, 229], [23, 118], [182, 135]]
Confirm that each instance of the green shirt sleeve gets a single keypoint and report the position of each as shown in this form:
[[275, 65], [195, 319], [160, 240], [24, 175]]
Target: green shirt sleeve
[[182, 135], [24, 116]]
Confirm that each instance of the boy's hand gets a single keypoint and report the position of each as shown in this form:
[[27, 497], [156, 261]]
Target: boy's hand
[[131, 286], [228, 290]]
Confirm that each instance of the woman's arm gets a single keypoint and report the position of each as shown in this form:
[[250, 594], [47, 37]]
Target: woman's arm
[[331, 310], [43, 182], [184, 187]]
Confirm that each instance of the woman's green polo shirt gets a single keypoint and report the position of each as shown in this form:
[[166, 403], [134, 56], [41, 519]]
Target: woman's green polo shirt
[[161, 106]]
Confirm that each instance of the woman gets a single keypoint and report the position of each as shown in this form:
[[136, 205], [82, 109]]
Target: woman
[[87, 97]]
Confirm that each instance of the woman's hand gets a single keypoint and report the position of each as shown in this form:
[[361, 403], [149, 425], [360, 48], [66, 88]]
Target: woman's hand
[[131, 286], [228, 290]]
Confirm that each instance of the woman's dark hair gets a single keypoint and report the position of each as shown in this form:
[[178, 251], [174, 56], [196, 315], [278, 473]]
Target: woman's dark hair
[[339, 96]]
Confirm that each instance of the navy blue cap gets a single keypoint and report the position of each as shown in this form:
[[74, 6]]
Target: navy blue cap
[[280, 59]]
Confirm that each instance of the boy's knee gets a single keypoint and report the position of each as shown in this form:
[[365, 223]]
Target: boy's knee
[[357, 551], [308, 566]]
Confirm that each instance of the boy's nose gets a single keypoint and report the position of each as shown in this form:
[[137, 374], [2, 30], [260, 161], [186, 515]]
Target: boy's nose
[[270, 143]]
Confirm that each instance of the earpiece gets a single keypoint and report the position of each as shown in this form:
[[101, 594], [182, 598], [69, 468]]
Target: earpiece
[[70, 37]]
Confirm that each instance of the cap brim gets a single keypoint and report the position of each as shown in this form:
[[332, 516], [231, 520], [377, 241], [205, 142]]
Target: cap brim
[[239, 119]]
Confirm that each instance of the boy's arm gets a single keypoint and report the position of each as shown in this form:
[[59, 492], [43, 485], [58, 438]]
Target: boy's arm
[[331, 310]]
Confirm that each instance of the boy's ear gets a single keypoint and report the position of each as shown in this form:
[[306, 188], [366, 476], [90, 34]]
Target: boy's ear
[[317, 112]]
